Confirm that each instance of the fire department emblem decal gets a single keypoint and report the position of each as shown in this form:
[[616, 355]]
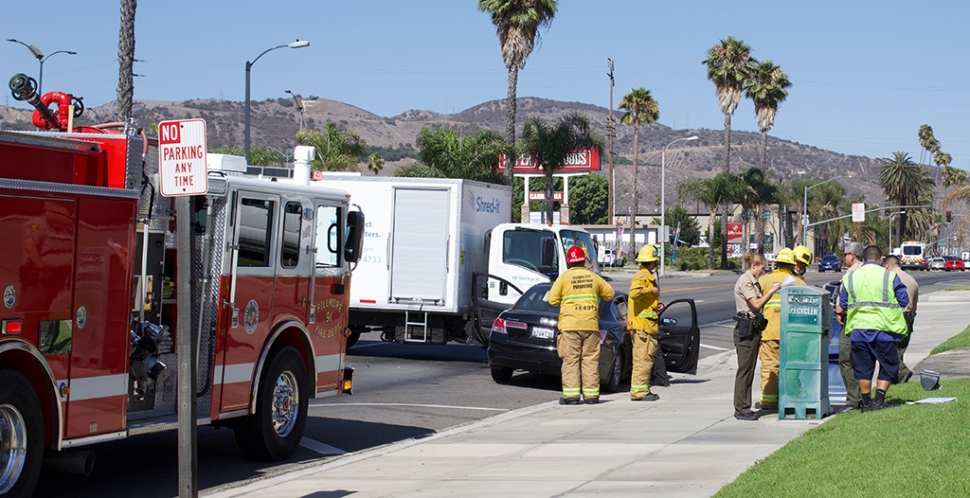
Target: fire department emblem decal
[[9, 297], [251, 318], [82, 317]]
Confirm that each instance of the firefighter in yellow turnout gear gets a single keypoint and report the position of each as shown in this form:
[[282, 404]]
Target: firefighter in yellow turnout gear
[[769, 352], [643, 321], [577, 292]]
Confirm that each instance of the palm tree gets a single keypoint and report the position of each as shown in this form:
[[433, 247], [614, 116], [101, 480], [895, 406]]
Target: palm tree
[[728, 66], [640, 107], [517, 24], [713, 192], [756, 190], [927, 141], [336, 150], [767, 87], [126, 59], [905, 183], [472, 157], [549, 146], [375, 163]]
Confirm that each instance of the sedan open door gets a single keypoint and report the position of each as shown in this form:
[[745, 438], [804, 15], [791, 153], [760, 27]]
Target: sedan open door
[[680, 337]]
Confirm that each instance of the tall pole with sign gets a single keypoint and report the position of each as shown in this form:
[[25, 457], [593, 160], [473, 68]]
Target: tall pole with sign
[[859, 216], [182, 174]]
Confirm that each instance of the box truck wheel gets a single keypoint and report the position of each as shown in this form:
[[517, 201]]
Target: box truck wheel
[[21, 435], [274, 432]]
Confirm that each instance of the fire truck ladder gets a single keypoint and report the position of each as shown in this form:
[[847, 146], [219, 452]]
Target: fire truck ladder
[[411, 327]]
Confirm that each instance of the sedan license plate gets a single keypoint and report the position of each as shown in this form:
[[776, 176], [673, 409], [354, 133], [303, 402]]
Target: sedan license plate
[[543, 332]]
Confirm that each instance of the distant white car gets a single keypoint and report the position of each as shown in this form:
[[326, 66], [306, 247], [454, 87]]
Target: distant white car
[[608, 258], [937, 264]]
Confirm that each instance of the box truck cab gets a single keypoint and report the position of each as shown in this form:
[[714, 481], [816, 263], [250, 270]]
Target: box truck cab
[[518, 257], [525, 255]]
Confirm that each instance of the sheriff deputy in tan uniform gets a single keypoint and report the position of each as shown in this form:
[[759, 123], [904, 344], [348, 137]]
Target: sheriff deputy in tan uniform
[[749, 301], [770, 337], [577, 292], [643, 321]]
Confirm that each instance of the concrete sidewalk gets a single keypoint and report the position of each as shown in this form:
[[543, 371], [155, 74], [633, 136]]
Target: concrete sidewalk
[[686, 444]]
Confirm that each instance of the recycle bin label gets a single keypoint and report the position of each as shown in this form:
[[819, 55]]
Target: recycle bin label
[[804, 309]]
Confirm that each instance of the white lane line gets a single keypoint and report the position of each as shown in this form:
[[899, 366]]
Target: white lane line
[[714, 347], [413, 404], [321, 448]]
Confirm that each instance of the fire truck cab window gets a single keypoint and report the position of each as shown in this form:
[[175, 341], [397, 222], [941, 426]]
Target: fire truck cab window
[[329, 239], [292, 226], [255, 228]]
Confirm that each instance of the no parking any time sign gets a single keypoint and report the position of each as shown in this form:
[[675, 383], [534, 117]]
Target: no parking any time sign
[[182, 158]]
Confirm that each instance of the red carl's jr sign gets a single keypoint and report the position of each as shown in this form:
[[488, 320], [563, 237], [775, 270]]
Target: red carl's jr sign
[[182, 158]]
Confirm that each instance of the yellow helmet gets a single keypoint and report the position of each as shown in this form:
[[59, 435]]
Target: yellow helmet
[[786, 256], [647, 254], [803, 255]]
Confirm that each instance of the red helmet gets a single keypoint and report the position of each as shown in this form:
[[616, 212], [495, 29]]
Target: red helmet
[[575, 254]]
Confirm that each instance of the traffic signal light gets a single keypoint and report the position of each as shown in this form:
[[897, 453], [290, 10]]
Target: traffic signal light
[[949, 216]]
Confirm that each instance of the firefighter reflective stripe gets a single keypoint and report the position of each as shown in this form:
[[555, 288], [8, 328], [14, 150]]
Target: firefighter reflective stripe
[[591, 393], [571, 392], [648, 313], [769, 399], [229, 374], [576, 298], [104, 386], [774, 301], [640, 389]]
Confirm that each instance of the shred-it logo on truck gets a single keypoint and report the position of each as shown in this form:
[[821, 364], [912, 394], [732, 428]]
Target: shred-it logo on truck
[[480, 204]]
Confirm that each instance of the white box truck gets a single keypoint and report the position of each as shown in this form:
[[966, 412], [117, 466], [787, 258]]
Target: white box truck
[[438, 262], [423, 242]]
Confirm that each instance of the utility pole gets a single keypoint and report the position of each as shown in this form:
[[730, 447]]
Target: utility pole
[[611, 127]]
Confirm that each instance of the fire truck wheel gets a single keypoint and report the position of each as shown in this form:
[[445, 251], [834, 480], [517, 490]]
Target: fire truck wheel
[[21, 435], [274, 432]]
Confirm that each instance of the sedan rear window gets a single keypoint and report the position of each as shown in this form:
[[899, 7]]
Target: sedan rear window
[[535, 300]]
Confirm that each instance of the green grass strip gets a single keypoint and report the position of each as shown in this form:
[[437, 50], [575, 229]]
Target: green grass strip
[[958, 288], [906, 451], [961, 340]]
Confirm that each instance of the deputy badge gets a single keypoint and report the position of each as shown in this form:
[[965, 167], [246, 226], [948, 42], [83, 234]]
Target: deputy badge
[[749, 284], [251, 317]]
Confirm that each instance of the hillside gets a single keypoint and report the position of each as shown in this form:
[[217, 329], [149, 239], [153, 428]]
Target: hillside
[[275, 123]]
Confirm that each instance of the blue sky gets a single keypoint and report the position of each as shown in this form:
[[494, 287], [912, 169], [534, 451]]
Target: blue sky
[[866, 74]]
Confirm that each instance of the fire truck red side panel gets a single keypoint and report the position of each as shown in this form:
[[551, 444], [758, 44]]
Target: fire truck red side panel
[[327, 333], [102, 304], [37, 258], [28, 162], [243, 343]]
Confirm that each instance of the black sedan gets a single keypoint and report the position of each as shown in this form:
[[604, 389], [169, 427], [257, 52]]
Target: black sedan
[[523, 337]]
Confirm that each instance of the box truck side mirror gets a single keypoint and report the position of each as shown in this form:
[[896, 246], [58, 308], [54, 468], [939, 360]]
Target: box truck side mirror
[[355, 236]]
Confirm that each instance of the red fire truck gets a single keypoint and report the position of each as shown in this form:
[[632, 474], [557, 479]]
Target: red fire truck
[[87, 272]]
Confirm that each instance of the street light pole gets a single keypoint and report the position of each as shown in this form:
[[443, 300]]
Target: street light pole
[[39, 55], [40, 80], [249, 66], [663, 200], [805, 205], [300, 105]]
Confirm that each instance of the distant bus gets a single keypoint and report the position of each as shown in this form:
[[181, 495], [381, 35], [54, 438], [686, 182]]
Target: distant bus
[[912, 256]]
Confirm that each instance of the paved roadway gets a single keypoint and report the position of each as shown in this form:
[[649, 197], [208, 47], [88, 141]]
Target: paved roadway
[[402, 391]]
